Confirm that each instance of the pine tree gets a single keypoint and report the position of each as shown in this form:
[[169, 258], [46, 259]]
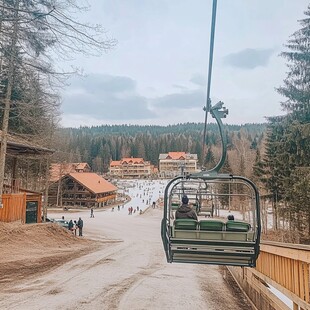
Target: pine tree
[[288, 143]]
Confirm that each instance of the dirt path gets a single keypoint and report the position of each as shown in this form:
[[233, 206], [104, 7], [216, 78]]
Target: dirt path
[[128, 271]]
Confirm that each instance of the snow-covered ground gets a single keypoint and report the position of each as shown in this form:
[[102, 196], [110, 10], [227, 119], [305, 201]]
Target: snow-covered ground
[[129, 269], [142, 192]]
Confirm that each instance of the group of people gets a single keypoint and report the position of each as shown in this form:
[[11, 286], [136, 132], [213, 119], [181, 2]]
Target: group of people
[[74, 225], [118, 208], [131, 210]]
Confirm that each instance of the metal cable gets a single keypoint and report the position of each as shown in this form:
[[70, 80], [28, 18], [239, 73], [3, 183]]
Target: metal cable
[[208, 99]]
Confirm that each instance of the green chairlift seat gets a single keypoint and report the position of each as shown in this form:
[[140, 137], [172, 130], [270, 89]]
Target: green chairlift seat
[[237, 226], [211, 225], [185, 224], [239, 231], [185, 228], [175, 204], [211, 229]]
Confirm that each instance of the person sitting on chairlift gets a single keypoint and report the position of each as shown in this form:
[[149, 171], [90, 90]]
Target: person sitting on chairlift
[[185, 211], [230, 217]]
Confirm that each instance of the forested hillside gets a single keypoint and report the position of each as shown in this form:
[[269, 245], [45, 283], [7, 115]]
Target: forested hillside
[[98, 145]]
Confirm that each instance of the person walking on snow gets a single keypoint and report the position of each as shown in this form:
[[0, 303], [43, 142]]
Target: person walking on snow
[[92, 212], [80, 226], [70, 225]]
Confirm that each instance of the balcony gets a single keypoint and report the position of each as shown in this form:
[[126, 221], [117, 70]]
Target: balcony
[[11, 186]]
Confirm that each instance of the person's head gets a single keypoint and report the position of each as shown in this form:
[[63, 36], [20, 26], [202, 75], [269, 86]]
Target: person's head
[[230, 217], [79, 218], [185, 199]]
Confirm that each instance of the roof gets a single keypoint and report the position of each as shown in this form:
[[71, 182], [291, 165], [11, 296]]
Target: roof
[[93, 182], [114, 163], [133, 160], [177, 156], [59, 170], [81, 166], [128, 160], [18, 146]]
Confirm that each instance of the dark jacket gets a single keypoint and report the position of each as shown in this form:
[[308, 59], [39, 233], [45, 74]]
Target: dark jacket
[[80, 223], [70, 225], [185, 212]]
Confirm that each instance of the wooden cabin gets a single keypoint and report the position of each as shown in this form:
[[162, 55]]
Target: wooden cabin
[[23, 207], [20, 204], [82, 189]]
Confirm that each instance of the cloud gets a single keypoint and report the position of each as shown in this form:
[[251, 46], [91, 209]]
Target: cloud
[[186, 100], [249, 58], [198, 80], [179, 86], [105, 97], [105, 82]]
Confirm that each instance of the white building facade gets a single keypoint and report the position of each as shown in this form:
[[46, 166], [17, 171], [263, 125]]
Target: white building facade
[[173, 164]]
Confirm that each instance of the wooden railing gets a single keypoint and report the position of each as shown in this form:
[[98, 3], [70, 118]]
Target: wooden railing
[[283, 266], [287, 266], [11, 186]]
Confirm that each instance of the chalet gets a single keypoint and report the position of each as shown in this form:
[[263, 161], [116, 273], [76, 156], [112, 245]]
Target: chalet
[[85, 189], [59, 170], [131, 168], [172, 163]]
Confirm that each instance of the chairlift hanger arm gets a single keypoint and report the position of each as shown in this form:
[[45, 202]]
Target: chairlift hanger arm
[[208, 99]]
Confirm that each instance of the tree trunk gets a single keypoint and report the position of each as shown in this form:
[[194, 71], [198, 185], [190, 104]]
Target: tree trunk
[[7, 99], [47, 177]]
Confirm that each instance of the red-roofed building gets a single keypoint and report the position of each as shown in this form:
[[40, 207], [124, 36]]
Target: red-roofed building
[[85, 189], [131, 168], [170, 164], [59, 170]]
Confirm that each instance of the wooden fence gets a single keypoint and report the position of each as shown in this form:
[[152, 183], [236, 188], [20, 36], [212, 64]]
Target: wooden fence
[[283, 266], [287, 265]]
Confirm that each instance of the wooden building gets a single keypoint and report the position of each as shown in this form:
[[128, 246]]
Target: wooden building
[[131, 168], [24, 207], [20, 204], [85, 189]]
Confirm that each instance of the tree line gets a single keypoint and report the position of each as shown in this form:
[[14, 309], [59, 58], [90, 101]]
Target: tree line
[[99, 145]]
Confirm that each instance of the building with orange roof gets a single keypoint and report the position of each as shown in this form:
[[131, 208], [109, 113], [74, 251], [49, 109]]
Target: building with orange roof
[[59, 170], [131, 168], [173, 163], [85, 189]]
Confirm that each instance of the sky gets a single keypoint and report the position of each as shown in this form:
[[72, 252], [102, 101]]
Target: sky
[[157, 72]]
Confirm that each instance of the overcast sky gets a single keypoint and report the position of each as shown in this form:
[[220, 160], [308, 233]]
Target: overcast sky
[[157, 72]]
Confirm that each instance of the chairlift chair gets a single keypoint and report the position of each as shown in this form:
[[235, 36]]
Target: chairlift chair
[[212, 241]]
